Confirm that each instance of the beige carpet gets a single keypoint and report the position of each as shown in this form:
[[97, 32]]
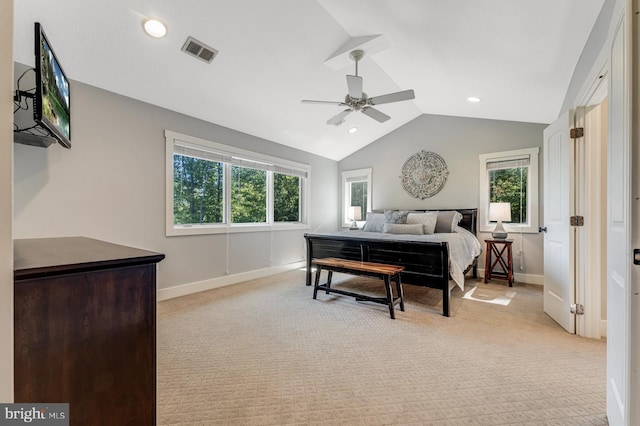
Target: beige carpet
[[264, 353]]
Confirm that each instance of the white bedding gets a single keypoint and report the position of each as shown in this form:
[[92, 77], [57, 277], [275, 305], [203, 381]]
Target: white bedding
[[464, 247]]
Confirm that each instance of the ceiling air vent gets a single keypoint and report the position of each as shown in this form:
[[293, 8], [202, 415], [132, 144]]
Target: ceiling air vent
[[199, 50]]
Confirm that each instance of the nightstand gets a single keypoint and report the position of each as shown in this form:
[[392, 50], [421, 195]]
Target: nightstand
[[499, 260]]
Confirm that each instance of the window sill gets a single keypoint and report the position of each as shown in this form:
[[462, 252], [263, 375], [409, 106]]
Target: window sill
[[233, 229], [510, 229]]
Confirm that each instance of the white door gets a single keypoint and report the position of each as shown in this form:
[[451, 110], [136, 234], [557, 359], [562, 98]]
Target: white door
[[618, 235], [559, 284]]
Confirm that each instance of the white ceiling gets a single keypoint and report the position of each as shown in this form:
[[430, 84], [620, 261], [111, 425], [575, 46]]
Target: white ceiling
[[517, 56]]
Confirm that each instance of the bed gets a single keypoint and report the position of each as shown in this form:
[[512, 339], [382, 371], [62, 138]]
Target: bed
[[430, 260]]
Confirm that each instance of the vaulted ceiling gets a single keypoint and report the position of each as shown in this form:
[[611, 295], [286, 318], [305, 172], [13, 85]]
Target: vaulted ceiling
[[516, 56]]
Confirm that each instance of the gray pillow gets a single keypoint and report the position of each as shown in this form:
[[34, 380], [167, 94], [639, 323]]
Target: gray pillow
[[395, 216], [403, 228], [427, 219], [447, 221], [374, 223]]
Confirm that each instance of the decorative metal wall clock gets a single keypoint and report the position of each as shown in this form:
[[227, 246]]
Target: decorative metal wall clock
[[424, 174]]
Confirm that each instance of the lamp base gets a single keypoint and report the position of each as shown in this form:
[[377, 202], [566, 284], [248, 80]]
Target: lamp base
[[354, 226], [499, 233]]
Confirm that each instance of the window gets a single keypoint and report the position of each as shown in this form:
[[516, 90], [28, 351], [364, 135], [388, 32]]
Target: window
[[198, 188], [510, 177], [213, 188], [248, 195], [356, 196], [286, 198]]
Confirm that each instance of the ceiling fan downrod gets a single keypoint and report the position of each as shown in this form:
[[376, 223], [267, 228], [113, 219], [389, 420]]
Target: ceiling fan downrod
[[356, 55]]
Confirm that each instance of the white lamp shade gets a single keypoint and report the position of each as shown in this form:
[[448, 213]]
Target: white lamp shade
[[500, 212], [355, 213]]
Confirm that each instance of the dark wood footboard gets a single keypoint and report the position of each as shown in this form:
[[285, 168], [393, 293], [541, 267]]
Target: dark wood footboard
[[426, 263]]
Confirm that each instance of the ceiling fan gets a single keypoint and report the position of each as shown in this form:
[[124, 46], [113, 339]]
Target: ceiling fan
[[357, 100]]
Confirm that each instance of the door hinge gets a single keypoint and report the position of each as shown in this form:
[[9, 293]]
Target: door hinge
[[577, 309], [576, 132], [576, 221]]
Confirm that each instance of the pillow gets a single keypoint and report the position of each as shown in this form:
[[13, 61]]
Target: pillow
[[402, 228], [395, 216], [427, 219], [447, 221], [374, 223]]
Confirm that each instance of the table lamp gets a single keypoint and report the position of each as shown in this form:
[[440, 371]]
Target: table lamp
[[355, 213], [500, 212]]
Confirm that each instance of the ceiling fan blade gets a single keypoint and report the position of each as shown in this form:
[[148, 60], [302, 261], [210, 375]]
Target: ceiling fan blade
[[354, 83], [375, 114], [339, 119], [392, 97], [306, 101]]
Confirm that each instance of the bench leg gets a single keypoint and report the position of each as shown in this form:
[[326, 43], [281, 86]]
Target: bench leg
[[387, 287], [317, 281], [308, 273], [399, 291], [329, 281]]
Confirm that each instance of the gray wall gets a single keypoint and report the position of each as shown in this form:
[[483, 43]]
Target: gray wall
[[458, 141], [591, 52], [6, 240], [111, 186]]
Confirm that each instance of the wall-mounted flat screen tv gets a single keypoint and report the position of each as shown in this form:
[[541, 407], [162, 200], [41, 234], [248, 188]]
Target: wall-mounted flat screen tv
[[52, 108]]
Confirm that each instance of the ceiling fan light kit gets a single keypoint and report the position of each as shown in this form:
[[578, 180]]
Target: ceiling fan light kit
[[356, 100]]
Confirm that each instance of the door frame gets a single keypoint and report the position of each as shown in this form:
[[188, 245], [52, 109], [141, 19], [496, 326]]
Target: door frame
[[634, 345], [622, 402]]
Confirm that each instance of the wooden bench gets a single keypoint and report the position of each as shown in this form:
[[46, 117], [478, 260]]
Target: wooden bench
[[353, 267]]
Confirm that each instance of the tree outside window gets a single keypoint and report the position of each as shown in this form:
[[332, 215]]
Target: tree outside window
[[286, 198], [248, 195], [509, 185], [359, 197], [214, 188], [510, 177], [198, 187], [356, 192]]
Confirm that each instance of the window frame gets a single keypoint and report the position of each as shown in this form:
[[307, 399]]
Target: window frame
[[532, 189], [242, 158], [348, 176], [271, 197]]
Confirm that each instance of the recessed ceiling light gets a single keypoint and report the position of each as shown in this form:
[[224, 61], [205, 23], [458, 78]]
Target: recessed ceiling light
[[353, 130], [154, 28], [473, 99]]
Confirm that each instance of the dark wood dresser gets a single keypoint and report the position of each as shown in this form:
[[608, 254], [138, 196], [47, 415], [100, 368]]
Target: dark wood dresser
[[85, 329]]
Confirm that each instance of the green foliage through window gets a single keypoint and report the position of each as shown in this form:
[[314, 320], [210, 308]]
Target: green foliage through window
[[359, 197], [509, 185], [510, 177], [286, 198], [248, 195], [199, 193], [198, 189]]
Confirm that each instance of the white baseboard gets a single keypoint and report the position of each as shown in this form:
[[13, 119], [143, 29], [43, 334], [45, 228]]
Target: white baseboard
[[603, 328], [522, 278], [195, 287]]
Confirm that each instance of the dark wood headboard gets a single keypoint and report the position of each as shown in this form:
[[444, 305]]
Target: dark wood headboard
[[469, 217]]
